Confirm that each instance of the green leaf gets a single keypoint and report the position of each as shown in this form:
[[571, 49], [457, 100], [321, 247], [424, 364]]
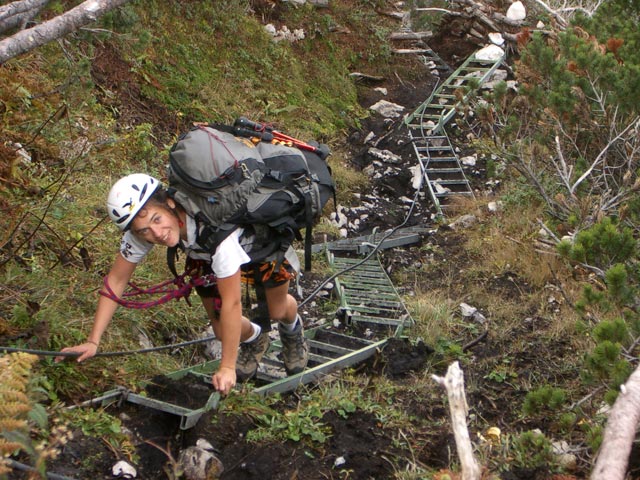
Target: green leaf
[[38, 414]]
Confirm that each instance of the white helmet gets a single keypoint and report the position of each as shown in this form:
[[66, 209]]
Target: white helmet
[[128, 195]]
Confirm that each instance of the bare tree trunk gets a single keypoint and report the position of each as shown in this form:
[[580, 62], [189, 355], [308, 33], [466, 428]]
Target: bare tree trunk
[[19, 13], [624, 418], [21, 6], [454, 383], [27, 40]]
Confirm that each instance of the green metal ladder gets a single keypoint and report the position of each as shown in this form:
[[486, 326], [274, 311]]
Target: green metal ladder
[[382, 240], [440, 166], [431, 116], [441, 169]]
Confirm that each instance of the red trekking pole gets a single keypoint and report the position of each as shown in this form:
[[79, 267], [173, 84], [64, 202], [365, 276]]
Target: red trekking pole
[[265, 131]]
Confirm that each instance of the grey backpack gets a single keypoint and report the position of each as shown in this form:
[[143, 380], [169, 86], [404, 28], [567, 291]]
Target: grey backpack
[[225, 180]]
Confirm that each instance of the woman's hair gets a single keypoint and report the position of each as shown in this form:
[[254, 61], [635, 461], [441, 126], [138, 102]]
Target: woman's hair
[[159, 198]]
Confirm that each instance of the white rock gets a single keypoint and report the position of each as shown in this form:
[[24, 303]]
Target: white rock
[[540, 25], [490, 53], [339, 462], [369, 137], [20, 152], [199, 464], [604, 409], [465, 221], [212, 348], [496, 38], [385, 155], [369, 170], [339, 218], [516, 11], [123, 470], [440, 188], [498, 75], [494, 206], [469, 161], [416, 180], [568, 461], [344, 232], [479, 318], [144, 340], [204, 444], [467, 310], [387, 109], [382, 90], [560, 447]]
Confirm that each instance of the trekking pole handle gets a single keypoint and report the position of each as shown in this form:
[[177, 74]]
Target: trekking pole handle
[[243, 122], [246, 132]]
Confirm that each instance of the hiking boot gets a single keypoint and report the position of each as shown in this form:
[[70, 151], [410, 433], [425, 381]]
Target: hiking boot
[[295, 351], [250, 355]]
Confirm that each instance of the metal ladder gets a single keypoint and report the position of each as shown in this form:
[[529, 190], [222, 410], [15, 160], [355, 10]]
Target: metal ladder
[[441, 169], [365, 244], [432, 115], [440, 166]]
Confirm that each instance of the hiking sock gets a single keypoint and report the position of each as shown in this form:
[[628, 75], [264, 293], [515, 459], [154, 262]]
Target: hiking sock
[[290, 327], [257, 330]]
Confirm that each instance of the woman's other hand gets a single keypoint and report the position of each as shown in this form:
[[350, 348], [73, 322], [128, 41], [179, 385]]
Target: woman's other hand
[[224, 380], [86, 351]]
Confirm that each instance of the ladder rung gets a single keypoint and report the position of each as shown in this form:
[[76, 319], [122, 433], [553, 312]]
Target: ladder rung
[[451, 182], [442, 159], [443, 170]]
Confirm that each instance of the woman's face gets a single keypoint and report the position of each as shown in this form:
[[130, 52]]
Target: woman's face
[[158, 225]]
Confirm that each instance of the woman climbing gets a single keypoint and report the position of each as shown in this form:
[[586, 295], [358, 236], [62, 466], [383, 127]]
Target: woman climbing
[[143, 209]]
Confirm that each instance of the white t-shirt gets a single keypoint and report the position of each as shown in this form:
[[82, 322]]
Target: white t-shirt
[[226, 260]]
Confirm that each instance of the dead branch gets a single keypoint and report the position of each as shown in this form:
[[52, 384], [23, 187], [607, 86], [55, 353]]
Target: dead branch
[[70, 21], [458, 408], [18, 14], [468, 346], [364, 76], [600, 157], [562, 22], [613, 457], [441, 10], [20, 7]]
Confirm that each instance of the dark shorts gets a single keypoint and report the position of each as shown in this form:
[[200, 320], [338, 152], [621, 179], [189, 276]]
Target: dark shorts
[[260, 275]]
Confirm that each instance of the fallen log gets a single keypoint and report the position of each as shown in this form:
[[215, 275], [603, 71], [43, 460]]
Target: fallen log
[[453, 382], [620, 432]]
